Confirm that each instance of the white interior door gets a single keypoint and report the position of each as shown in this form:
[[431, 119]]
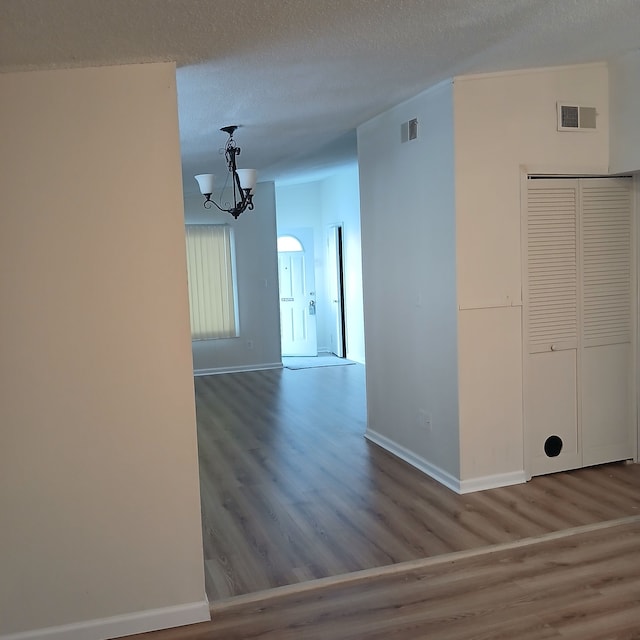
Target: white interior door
[[335, 291], [608, 375], [551, 327], [296, 279]]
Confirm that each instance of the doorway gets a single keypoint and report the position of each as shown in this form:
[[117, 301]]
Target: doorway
[[335, 281], [296, 281]]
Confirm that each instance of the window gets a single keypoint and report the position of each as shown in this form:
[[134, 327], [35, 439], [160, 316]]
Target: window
[[288, 243], [212, 299]]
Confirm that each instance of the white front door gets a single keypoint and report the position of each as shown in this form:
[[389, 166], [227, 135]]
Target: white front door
[[297, 293]]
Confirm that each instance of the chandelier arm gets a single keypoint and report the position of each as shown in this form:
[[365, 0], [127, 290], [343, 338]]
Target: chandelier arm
[[219, 207]]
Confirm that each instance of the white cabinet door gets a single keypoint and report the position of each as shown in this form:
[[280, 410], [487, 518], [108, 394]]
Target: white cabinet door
[[607, 318], [551, 327], [552, 412], [579, 377]]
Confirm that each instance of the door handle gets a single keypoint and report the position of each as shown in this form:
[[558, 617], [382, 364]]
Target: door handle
[[312, 308]]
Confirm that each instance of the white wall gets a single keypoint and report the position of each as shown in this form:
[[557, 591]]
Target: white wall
[[99, 496], [624, 91], [258, 345], [408, 251], [298, 204], [504, 122]]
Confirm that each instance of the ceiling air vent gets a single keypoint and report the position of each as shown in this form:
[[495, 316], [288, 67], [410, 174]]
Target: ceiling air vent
[[575, 118]]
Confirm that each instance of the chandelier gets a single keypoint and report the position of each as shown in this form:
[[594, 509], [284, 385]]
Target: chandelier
[[244, 181]]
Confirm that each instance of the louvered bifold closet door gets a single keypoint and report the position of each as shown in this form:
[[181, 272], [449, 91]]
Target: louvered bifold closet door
[[607, 319], [551, 325]]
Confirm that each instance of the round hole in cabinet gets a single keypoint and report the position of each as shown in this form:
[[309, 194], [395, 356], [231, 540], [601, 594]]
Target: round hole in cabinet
[[553, 446]]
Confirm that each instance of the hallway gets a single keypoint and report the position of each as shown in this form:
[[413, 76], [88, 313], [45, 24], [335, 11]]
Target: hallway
[[291, 490]]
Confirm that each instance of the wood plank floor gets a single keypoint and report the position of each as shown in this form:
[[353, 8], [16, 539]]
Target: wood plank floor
[[291, 491], [577, 585]]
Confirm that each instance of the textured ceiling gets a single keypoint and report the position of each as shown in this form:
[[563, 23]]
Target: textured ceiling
[[300, 75]]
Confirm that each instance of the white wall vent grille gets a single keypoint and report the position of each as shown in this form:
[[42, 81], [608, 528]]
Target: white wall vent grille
[[409, 130], [576, 118]]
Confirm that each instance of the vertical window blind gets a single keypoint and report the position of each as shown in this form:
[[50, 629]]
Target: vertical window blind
[[212, 299]]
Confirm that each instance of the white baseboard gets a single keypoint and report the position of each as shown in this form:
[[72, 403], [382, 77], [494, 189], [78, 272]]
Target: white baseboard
[[493, 482], [444, 477], [238, 369], [358, 358], [124, 625]]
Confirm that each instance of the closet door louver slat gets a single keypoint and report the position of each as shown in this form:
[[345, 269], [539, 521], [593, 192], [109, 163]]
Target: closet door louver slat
[[552, 268]]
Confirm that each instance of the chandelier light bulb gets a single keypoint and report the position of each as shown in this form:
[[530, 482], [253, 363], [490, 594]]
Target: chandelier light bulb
[[205, 182], [248, 178]]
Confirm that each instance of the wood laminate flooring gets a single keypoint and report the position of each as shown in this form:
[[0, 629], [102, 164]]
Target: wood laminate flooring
[[292, 492], [576, 585]]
